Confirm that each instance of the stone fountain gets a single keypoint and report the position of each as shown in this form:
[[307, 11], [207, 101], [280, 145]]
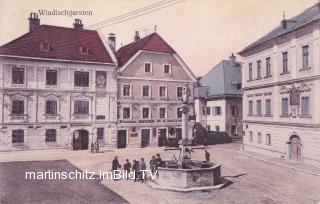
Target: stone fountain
[[184, 174]]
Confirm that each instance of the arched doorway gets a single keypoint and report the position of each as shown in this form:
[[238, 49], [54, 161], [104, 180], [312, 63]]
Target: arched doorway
[[80, 139], [295, 147]]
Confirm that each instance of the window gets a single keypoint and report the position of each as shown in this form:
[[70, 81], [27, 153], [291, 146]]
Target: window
[[145, 91], [126, 90], [162, 112], [145, 112], [51, 135], [126, 113], [179, 92], [208, 128], [45, 47], [250, 71], [217, 110], [217, 128], [100, 133], [51, 107], [81, 79], [268, 107], [259, 108], [305, 106], [250, 136], [147, 67], [203, 110], [305, 57], [238, 86], [51, 77], [250, 108], [285, 62], [81, 107], [17, 107], [179, 112], [285, 110], [233, 129], [208, 110], [167, 69], [162, 92], [259, 69], [259, 138], [268, 67], [234, 110], [17, 75], [268, 139], [17, 136], [84, 50]]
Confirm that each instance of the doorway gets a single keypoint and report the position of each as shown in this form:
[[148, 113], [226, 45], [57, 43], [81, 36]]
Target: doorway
[[80, 140], [145, 137], [122, 139], [295, 147]]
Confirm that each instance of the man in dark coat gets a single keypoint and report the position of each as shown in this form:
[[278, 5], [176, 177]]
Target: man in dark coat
[[142, 174], [136, 169], [115, 164], [127, 167], [207, 155]]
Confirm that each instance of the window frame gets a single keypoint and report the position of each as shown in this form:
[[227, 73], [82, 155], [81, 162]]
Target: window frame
[[268, 67], [100, 137], [20, 133], [165, 112], [49, 133], [250, 71], [130, 90], [165, 91], [287, 106], [142, 112], [149, 90], [170, 69], [56, 106], [18, 106], [122, 112], [285, 62], [14, 81], [56, 79], [81, 82], [144, 67], [259, 70], [75, 110], [305, 56]]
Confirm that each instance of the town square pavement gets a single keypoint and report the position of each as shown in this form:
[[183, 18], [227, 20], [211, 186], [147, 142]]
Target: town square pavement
[[249, 180]]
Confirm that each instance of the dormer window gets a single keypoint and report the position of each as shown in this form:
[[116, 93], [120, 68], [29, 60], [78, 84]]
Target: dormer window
[[45, 47], [84, 50]]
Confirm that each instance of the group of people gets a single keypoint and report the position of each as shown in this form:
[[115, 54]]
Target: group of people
[[138, 167], [95, 146]]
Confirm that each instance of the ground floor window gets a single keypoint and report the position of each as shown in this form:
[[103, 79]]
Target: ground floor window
[[17, 136], [100, 133], [217, 128], [208, 127], [259, 138], [268, 138], [250, 136], [51, 135]]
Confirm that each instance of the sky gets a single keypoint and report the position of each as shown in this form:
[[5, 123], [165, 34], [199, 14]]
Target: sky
[[203, 32]]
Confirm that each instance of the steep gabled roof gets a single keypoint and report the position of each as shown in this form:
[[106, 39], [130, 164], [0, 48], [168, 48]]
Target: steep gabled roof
[[65, 44], [152, 42], [220, 81], [309, 15]]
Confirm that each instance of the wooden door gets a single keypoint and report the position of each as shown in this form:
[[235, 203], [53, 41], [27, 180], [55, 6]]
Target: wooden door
[[295, 148], [145, 137], [122, 139]]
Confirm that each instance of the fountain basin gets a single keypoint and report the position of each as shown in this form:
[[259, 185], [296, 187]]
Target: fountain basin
[[189, 178]]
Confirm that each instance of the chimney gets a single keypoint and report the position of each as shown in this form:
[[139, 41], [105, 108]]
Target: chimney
[[78, 24], [136, 36], [34, 21], [112, 41], [232, 59], [284, 21]]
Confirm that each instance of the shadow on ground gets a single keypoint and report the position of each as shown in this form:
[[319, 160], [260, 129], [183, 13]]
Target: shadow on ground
[[15, 188]]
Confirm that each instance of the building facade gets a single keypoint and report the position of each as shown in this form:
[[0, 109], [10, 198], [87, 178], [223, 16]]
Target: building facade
[[151, 78], [57, 89], [281, 83], [218, 99]]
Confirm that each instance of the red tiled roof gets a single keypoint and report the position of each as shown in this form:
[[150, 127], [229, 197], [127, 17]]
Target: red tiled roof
[[152, 42], [65, 43]]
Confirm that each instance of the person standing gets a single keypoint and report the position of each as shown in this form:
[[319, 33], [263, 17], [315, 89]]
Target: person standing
[[207, 155], [115, 165], [152, 164], [92, 147], [97, 146], [127, 167], [158, 161], [142, 174], [135, 169]]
